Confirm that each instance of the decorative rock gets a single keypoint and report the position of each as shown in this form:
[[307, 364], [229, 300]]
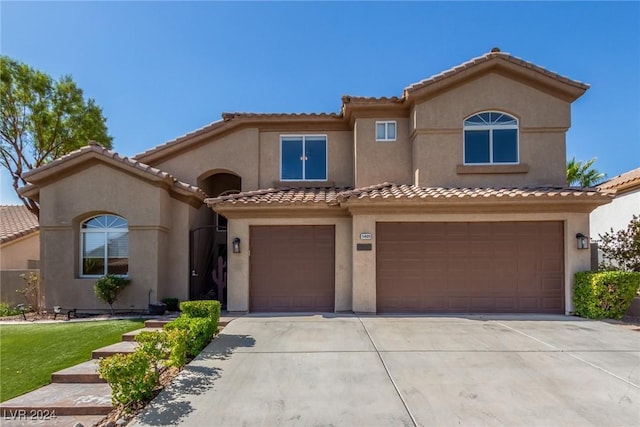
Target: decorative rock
[[121, 422], [111, 424], [78, 425]]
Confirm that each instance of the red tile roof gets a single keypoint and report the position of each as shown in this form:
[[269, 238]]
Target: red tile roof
[[282, 196], [96, 149], [387, 191], [622, 181], [15, 222], [495, 53]]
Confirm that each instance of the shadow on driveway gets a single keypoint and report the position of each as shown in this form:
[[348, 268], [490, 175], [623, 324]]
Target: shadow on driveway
[[173, 403]]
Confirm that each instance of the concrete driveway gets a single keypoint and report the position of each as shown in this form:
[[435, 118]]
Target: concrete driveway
[[326, 370]]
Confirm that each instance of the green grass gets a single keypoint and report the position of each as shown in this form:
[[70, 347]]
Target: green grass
[[29, 354]]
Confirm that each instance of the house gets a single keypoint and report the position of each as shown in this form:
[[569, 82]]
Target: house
[[620, 211], [449, 198], [19, 249]]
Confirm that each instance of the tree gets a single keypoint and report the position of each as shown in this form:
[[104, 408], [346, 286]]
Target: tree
[[621, 249], [583, 174], [42, 119]]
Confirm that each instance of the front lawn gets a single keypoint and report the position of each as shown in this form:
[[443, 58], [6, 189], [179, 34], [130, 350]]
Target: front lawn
[[29, 354]]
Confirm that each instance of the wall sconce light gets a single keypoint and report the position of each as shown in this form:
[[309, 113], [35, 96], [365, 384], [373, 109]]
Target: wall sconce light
[[236, 245], [583, 241]]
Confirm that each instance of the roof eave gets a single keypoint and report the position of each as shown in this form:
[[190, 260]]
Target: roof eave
[[563, 88]]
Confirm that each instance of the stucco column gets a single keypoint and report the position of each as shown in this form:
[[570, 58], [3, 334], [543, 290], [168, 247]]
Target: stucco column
[[575, 259], [238, 266], [364, 265]]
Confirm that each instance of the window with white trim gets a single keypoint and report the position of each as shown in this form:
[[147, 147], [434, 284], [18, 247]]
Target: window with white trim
[[491, 138], [386, 131], [104, 246], [303, 158]]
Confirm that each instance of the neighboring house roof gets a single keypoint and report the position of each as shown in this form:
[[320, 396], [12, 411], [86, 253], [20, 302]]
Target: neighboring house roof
[[15, 222], [389, 192], [97, 152], [494, 61], [623, 182]]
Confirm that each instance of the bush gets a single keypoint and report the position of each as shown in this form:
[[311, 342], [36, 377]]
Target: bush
[[171, 303], [210, 309], [606, 294], [621, 249], [32, 292], [169, 347], [8, 310], [199, 332], [107, 288], [131, 377]]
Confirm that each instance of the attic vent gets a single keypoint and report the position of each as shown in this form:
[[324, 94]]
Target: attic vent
[[495, 50]]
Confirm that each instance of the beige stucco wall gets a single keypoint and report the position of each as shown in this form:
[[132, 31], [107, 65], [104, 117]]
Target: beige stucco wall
[[381, 161], [438, 138], [158, 237], [255, 156], [238, 264], [15, 255], [237, 152], [364, 262]]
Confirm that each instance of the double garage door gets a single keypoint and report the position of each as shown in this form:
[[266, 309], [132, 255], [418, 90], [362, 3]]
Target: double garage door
[[474, 267]]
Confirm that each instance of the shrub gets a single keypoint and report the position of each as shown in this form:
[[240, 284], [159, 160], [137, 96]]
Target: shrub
[[8, 310], [169, 347], [199, 332], [32, 292], [107, 288], [172, 303], [131, 377], [621, 249], [605, 294], [210, 309]]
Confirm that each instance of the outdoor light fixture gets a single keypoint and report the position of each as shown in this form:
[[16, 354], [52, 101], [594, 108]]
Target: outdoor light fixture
[[583, 241], [236, 245]]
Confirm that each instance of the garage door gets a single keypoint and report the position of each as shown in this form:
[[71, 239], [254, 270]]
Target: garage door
[[292, 268], [474, 267]]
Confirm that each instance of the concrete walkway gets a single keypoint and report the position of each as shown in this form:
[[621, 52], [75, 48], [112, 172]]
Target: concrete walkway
[[407, 371]]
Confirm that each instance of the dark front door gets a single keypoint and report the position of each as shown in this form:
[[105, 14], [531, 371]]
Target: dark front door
[[208, 262]]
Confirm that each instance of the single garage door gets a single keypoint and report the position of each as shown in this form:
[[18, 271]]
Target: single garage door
[[473, 267], [292, 268]]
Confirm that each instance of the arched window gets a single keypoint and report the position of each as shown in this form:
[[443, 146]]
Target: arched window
[[104, 246], [490, 138]]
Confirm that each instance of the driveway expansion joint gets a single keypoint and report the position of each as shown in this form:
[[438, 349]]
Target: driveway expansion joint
[[570, 353], [386, 368]]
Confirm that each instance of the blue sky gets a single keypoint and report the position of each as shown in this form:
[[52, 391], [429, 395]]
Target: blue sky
[[162, 69]]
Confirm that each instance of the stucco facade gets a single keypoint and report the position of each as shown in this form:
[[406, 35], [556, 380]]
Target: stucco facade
[[418, 173]]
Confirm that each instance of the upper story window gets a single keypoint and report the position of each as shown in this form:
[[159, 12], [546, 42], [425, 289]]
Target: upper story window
[[303, 158], [386, 131], [104, 246], [490, 138]]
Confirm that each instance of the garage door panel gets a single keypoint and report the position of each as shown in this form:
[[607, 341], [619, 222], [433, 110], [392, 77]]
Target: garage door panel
[[292, 268], [470, 267]]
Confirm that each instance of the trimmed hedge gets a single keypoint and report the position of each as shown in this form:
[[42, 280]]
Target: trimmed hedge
[[199, 332], [210, 309], [604, 294]]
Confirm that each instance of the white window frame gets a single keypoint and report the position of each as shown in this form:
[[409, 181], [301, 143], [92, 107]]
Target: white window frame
[[490, 128], [326, 153], [386, 124], [103, 231]]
